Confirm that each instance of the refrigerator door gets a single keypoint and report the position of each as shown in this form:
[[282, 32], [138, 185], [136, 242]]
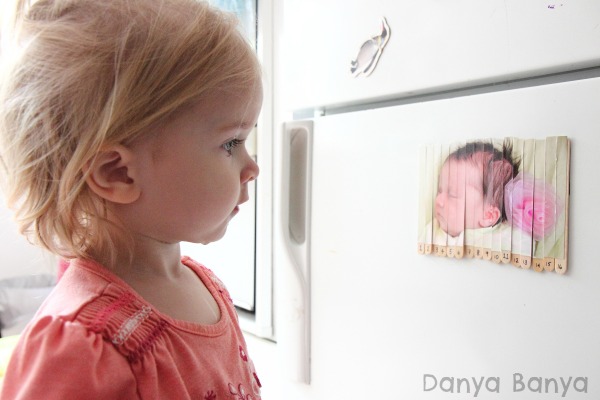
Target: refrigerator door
[[432, 45], [386, 322]]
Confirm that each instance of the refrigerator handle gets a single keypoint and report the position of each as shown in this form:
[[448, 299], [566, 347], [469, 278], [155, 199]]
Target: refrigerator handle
[[296, 221]]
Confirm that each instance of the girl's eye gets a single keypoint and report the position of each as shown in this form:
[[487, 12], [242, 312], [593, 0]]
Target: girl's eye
[[233, 143]]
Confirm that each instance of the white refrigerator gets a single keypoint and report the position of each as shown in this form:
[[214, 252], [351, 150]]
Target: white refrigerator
[[359, 313]]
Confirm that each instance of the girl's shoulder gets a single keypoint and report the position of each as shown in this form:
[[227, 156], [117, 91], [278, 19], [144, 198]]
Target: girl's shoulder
[[63, 352], [203, 271], [101, 304], [55, 359]]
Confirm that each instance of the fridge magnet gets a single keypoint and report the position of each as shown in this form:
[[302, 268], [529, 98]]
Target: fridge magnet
[[370, 51], [504, 200]]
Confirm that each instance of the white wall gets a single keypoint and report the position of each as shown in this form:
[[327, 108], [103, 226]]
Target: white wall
[[18, 256]]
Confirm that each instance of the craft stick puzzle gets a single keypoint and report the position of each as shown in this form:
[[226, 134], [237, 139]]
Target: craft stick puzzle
[[499, 199]]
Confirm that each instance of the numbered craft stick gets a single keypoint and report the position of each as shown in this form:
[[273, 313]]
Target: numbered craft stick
[[478, 196], [562, 210], [459, 251], [464, 169], [462, 185], [516, 196], [490, 215], [516, 260], [514, 188], [497, 193], [443, 251], [424, 193], [550, 203], [440, 237], [469, 250], [432, 165], [428, 248], [526, 202], [471, 169], [431, 176], [456, 209], [507, 154], [421, 234], [537, 264], [450, 193], [451, 251], [444, 178], [539, 192], [436, 237]]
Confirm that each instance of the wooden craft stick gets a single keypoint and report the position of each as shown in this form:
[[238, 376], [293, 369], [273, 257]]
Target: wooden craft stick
[[497, 194], [516, 260], [549, 264], [431, 178], [488, 182], [515, 210], [479, 252], [424, 194], [562, 191], [440, 235], [487, 254], [525, 262], [560, 266], [497, 257], [442, 250], [469, 251], [526, 202], [507, 236], [459, 252], [539, 194], [550, 181]]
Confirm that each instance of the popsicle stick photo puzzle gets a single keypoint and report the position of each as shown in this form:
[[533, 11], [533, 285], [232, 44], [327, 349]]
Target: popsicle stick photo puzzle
[[504, 200]]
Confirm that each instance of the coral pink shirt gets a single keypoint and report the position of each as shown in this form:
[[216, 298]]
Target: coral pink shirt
[[95, 338]]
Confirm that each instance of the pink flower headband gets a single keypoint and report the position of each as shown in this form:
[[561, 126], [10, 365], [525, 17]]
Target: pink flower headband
[[532, 205]]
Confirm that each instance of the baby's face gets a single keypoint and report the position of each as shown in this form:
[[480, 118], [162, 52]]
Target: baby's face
[[459, 203]]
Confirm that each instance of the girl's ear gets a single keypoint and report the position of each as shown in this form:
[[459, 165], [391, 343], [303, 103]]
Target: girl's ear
[[111, 175], [491, 215]]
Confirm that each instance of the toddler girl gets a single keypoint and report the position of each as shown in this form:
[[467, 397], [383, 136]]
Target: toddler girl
[[122, 127]]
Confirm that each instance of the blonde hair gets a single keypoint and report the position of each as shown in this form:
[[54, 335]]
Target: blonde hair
[[94, 73]]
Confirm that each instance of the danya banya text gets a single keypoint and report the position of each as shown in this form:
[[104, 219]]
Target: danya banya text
[[519, 383]]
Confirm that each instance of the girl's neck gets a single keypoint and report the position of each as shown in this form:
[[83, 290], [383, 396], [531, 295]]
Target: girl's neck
[[150, 260], [156, 273]]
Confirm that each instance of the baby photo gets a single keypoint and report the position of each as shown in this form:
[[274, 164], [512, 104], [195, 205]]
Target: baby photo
[[504, 200]]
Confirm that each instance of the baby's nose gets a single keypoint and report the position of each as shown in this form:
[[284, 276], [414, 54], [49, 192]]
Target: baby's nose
[[440, 199]]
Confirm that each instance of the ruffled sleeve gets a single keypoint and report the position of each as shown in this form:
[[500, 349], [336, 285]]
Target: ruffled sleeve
[[57, 359]]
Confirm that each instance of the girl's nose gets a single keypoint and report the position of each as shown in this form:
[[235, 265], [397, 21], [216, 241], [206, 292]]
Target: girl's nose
[[250, 171]]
